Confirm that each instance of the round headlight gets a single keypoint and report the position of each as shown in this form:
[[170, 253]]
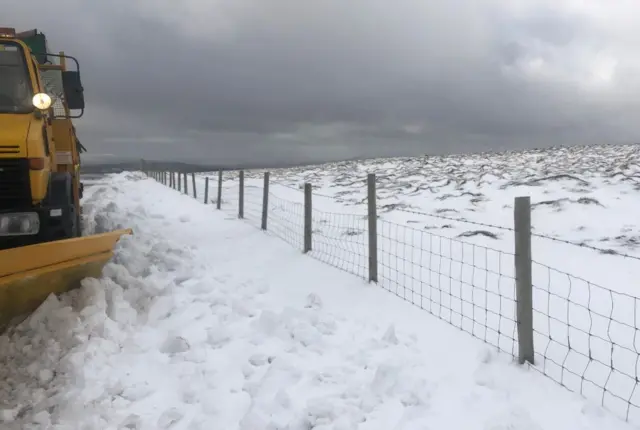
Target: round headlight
[[42, 101]]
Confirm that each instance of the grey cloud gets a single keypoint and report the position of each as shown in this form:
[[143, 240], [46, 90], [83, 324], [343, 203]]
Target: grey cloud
[[278, 79]]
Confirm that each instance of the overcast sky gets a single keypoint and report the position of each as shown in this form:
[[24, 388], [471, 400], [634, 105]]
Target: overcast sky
[[250, 80]]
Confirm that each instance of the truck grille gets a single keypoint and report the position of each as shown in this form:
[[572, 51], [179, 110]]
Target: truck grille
[[15, 191], [9, 149]]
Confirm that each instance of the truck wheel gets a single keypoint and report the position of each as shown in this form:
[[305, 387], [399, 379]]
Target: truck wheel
[[77, 228], [74, 217], [61, 196]]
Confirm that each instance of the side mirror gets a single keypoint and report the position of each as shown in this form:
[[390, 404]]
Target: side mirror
[[73, 91]]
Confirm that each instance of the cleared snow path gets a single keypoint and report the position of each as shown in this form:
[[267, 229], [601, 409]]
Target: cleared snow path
[[203, 322]]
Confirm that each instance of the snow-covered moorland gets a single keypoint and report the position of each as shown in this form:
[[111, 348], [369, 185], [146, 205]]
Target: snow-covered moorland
[[204, 322], [446, 244]]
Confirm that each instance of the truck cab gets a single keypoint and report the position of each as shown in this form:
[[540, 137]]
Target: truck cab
[[39, 161]]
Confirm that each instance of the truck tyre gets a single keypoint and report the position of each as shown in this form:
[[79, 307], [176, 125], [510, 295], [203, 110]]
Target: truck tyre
[[60, 190], [74, 216], [61, 197], [78, 225]]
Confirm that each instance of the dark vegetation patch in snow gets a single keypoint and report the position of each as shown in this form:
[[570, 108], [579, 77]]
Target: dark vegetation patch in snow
[[565, 176], [589, 201], [484, 233]]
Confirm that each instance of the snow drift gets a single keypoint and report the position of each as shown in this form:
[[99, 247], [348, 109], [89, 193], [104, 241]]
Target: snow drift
[[202, 321]]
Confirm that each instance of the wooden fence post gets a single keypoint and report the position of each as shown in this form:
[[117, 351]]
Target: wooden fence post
[[265, 200], [219, 202], [206, 190], [193, 182], [241, 196], [186, 187], [308, 218], [179, 174], [372, 217], [524, 284]]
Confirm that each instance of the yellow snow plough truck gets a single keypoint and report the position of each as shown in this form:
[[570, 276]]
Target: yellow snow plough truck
[[42, 249]]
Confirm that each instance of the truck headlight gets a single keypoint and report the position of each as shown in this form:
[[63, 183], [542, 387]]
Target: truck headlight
[[19, 224]]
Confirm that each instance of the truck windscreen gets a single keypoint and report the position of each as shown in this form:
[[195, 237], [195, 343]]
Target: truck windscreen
[[15, 85]]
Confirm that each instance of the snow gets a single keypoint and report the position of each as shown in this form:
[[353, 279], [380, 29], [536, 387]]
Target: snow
[[586, 195], [445, 244], [202, 321]]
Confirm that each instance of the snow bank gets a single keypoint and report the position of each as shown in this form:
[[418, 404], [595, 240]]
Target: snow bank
[[202, 322]]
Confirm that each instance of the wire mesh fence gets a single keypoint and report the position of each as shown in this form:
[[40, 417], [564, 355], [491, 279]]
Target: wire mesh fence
[[253, 205], [286, 220], [469, 286], [341, 241], [584, 336]]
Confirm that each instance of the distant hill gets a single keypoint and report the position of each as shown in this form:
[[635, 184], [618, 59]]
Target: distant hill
[[121, 166]]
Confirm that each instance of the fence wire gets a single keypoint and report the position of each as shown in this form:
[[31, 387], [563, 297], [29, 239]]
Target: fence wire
[[585, 336], [471, 287], [286, 220], [586, 245], [340, 240], [448, 218], [253, 205]]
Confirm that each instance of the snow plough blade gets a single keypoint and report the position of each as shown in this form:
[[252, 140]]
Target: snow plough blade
[[29, 274]]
